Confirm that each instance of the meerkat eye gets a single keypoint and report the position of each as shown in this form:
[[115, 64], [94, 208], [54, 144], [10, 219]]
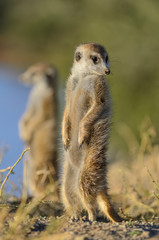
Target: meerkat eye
[[78, 56], [106, 59], [95, 59]]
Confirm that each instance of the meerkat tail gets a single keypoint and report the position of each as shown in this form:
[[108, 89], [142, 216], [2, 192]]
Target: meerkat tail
[[106, 207]]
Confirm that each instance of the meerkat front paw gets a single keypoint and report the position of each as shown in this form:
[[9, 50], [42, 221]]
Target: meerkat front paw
[[80, 140], [25, 136], [23, 130], [66, 141], [66, 132], [83, 135]]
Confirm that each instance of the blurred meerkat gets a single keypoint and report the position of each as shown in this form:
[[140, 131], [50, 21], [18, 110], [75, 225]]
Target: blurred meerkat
[[85, 135], [38, 128]]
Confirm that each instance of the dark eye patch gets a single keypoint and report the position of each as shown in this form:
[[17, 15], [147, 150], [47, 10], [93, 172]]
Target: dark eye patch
[[95, 59], [78, 56], [106, 59], [102, 100]]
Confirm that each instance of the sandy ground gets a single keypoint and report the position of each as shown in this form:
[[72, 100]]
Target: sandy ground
[[86, 230], [47, 223]]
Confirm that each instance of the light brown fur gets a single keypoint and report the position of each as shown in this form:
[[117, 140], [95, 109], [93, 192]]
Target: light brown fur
[[85, 134], [38, 127]]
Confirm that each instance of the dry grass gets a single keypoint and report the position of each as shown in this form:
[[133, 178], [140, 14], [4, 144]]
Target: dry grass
[[135, 179], [10, 171], [18, 218]]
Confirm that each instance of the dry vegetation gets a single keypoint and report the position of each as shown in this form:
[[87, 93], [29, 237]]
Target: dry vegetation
[[136, 180], [19, 218], [134, 183]]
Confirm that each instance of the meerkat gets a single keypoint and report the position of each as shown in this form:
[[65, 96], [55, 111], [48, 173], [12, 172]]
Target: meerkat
[[38, 128], [85, 134]]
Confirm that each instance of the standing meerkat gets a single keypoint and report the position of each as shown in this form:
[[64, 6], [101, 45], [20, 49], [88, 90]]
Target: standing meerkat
[[38, 128], [85, 134]]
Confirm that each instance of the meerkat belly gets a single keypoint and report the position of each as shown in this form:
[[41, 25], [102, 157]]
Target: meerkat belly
[[78, 109]]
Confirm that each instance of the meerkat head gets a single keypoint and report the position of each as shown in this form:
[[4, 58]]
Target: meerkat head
[[91, 58], [39, 72]]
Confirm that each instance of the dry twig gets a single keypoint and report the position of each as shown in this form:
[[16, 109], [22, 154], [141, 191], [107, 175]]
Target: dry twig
[[11, 169], [153, 180], [5, 170]]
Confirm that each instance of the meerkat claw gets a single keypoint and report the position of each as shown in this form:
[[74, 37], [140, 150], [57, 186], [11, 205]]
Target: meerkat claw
[[81, 144], [66, 147]]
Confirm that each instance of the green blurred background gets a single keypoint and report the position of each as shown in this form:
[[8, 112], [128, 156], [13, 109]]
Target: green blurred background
[[37, 30]]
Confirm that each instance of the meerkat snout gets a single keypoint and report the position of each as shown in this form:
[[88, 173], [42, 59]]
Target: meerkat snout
[[107, 72]]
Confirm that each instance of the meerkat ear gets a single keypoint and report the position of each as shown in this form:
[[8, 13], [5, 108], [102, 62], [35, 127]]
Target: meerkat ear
[[78, 56]]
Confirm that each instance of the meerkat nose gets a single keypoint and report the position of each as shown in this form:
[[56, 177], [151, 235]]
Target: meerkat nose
[[107, 72]]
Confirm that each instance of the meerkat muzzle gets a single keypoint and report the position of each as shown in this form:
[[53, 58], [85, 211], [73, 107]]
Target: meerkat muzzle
[[107, 72]]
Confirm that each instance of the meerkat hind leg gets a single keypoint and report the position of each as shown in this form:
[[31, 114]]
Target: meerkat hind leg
[[92, 214], [74, 214], [90, 207], [106, 207], [72, 210]]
